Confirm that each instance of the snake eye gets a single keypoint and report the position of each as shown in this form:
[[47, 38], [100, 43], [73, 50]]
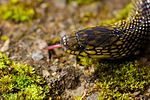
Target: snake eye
[[82, 47]]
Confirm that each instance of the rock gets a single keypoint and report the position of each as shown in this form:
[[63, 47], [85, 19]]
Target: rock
[[41, 43], [148, 90], [144, 97], [94, 96], [60, 3], [17, 35], [54, 68], [77, 92], [45, 73], [62, 33], [136, 93], [36, 56], [70, 76], [5, 47]]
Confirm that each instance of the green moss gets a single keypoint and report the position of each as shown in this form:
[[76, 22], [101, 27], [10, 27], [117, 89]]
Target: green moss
[[120, 81], [4, 61], [85, 61], [17, 11], [4, 38], [78, 97], [20, 82], [81, 2]]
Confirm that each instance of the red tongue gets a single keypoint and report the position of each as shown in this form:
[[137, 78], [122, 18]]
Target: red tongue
[[54, 46]]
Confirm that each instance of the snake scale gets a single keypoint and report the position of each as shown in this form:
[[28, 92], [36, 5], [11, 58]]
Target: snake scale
[[116, 41]]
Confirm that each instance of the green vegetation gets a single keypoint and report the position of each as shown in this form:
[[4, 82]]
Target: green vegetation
[[4, 38], [82, 1], [20, 82], [78, 98], [17, 11], [120, 81]]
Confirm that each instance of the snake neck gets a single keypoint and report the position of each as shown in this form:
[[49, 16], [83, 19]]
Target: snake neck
[[138, 22]]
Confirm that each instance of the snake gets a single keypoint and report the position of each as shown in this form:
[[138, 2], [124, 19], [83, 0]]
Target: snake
[[121, 39]]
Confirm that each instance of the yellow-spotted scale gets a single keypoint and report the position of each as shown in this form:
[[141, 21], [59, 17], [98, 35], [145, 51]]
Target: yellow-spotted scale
[[122, 39]]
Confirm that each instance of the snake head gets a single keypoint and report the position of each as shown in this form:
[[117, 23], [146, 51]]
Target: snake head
[[72, 44], [84, 42]]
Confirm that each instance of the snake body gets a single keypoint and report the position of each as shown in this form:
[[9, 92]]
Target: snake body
[[116, 41]]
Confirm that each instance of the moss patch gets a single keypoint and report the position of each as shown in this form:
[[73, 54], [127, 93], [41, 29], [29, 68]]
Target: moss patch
[[17, 11], [120, 81], [18, 82]]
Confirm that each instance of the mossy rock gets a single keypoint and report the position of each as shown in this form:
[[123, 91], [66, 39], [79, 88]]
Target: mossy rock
[[20, 82]]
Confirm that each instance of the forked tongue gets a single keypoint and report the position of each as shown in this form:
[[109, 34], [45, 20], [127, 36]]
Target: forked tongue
[[54, 46]]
